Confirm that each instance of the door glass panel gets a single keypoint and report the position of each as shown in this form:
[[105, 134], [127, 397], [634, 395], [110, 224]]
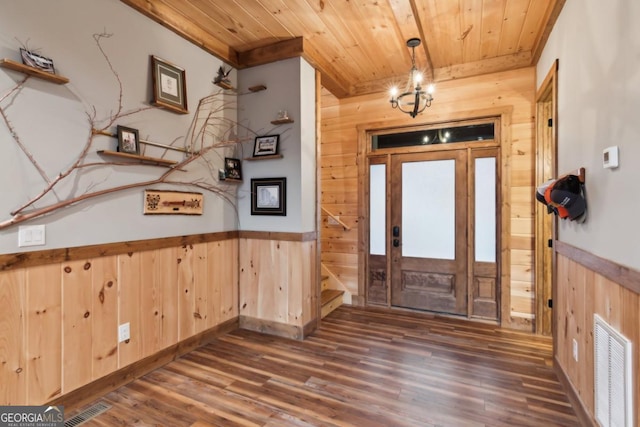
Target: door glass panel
[[485, 215], [429, 209], [377, 209]]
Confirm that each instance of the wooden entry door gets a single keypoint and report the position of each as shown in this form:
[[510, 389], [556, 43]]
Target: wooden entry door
[[429, 231]]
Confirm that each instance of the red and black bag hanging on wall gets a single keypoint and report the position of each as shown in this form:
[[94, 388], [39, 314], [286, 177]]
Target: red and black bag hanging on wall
[[564, 197]]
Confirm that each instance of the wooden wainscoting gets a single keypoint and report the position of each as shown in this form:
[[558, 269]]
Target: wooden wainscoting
[[278, 283], [362, 368], [588, 285], [61, 309]]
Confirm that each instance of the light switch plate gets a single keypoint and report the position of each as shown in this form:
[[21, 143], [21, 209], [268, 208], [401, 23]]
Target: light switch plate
[[610, 157], [31, 235]]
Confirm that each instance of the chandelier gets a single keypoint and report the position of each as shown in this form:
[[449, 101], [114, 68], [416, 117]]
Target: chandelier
[[414, 99]]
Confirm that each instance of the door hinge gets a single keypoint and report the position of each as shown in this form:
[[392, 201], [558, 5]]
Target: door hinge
[[550, 303], [550, 243], [550, 123]]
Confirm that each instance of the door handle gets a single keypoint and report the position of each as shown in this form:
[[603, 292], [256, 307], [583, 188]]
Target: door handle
[[396, 243], [396, 231]]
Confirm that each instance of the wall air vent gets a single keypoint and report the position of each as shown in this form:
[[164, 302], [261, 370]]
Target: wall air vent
[[613, 380]]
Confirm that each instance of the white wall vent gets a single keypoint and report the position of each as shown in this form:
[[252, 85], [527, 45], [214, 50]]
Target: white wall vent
[[613, 380]]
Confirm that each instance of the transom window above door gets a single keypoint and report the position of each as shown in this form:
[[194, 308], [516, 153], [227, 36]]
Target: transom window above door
[[435, 135]]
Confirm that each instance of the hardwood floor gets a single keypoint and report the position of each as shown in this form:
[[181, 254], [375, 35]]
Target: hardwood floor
[[363, 367]]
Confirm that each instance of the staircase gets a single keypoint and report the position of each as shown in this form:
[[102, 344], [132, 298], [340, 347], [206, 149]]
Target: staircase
[[330, 298]]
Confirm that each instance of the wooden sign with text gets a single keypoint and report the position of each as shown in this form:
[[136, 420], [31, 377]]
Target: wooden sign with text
[[172, 202]]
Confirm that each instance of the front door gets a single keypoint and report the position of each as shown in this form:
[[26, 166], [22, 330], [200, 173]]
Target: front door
[[433, 231], [429, 231]]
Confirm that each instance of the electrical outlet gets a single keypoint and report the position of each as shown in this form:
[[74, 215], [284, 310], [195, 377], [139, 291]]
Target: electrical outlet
[[575, 350], [124, 332]]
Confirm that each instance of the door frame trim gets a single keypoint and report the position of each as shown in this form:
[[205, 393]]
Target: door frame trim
[[364, 150], [546, 167]]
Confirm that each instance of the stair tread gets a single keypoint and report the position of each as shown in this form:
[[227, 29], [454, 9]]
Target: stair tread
[[329, 295]]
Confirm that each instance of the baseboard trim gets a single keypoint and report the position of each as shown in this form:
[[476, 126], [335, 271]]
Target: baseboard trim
[[283, 330], [98, 388], [581, 411]]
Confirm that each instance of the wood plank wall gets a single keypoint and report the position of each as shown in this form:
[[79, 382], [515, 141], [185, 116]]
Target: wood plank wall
[[59, 321], [454, 99], [587, 285], [278, 285]]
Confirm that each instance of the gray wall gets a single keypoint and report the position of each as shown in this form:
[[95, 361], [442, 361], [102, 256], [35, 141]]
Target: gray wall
[[598, 47], [290, 86], [51, 120]]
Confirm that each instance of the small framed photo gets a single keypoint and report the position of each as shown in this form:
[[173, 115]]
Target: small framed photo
[[169, 86], [37, 61], [266, 145], [232, 168], [128, 141], [269, 196]]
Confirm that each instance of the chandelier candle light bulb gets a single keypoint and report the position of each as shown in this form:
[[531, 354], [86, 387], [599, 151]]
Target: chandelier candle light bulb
[[414, 99]]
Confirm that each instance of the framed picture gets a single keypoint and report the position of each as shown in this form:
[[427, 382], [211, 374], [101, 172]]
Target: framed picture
[[169, 86], [266, 145], [128, 141], [232, 168], [269, 196], [36, 61]]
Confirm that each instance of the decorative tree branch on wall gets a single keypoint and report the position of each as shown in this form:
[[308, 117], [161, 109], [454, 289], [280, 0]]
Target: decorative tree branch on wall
[[208, 132]]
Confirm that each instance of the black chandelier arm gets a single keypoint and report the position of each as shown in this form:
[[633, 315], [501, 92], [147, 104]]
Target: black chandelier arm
[[416, 105]]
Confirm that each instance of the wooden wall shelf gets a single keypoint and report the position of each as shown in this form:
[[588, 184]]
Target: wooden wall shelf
[[224, 85], [235, 181], [156, 160], [272, 156], [281, 121], [32, 71]]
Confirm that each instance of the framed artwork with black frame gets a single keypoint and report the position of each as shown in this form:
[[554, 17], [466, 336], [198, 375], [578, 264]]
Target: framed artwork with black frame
[[128, 140], [169, 86], [232, 168], [269, 196], [266, 145]]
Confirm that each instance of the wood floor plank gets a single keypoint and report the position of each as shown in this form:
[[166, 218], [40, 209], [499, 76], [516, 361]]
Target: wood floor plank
[[362, 367]]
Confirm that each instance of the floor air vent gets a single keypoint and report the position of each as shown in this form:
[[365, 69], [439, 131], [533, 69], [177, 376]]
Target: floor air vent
[[613, 380], [89, 413]]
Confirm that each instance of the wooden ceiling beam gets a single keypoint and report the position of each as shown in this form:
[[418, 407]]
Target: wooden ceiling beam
[[459, 71], [484, 66], [332, 79], [181, 25], [550, 21], [277, 51], [292, 48]]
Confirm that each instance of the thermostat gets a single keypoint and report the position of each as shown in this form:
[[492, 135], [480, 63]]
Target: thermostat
[[610, 157]]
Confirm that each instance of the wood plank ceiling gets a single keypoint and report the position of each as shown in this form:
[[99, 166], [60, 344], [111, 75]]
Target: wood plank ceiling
[[359, 46]]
